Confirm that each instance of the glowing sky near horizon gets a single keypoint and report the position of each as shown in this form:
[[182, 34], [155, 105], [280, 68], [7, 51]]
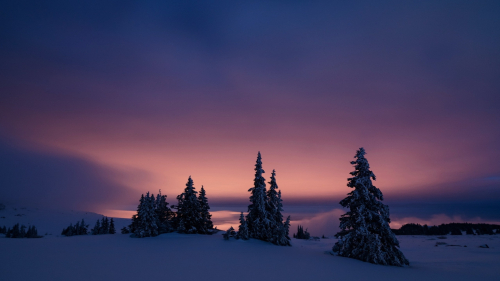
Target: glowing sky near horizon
[[136, 97]]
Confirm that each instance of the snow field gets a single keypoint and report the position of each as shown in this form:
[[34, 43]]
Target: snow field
[[205, 257]]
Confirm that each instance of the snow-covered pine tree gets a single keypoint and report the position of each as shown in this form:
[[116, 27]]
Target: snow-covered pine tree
[[206, 224], [365, 233], [30, 232], [135, 218], [273, 210], [97, 228], [229, 233], [243, 229], [112, 229], [281, 237], [23, 231], [83, 228], [76, 228], [287, 228], [147, 219], [257, 219], [188, 210], [275, 207], [163, 213], [105, 225]]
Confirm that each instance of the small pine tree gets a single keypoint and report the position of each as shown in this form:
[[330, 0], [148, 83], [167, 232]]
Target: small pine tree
[[164, 214], [104, 226], [243, 229], [229, 233], [282, 238], [365, 233], [97, 228], [135, 218], [148, 221], [125, 230], [112, 229], [22, 233], [206, 225], [83, 228]]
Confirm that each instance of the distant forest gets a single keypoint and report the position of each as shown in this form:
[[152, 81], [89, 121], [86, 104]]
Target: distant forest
[[449, 228]]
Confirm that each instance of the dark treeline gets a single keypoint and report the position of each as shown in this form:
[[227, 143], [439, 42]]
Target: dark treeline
[[301, 233], [103, 226], [449, 228], [80, 228], [18, 231]]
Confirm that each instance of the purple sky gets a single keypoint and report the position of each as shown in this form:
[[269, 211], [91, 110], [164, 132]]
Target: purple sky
[[100, 102]]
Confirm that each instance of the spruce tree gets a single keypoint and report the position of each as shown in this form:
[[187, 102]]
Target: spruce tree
[[97, 228], [104, 226], [83, 228], [365, 233], [112, 229], [125, 230], [70, 230], [164, 214], [229, 233], [281, 235], [188, 210], [273, 210], [206, 224], [243, 229], [23, 231], [147, 219], [257, 219], [287, 228], [135, 218]]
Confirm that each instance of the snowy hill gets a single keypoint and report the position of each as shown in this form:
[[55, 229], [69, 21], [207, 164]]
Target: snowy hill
[[204, 257], [50, 222]]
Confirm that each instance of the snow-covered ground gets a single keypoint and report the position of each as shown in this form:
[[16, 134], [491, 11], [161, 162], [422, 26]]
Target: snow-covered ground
[[201, 257]]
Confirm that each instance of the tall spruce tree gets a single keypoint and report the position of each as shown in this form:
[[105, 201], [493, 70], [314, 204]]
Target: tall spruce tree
[[206, 224], [188, 210], [257, 218], [365, 233]]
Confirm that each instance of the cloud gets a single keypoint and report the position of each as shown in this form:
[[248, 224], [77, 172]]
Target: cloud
[[55, 180], [324, 223]]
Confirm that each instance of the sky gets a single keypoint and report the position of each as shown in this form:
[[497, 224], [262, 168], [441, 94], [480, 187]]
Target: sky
[[101, 101]]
